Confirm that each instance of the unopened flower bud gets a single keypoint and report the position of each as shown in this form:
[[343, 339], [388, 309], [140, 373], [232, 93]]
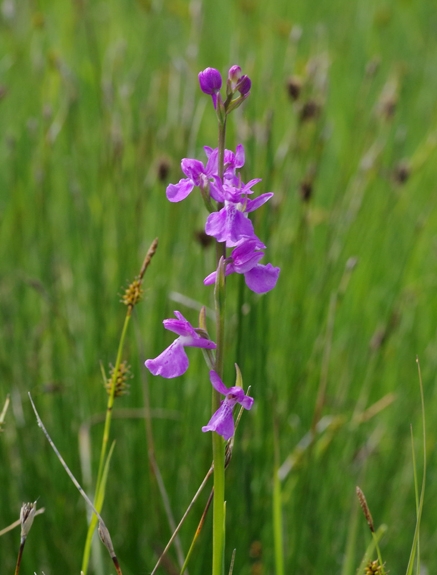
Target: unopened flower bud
[[234, 74], [210, 82], [244, 85]]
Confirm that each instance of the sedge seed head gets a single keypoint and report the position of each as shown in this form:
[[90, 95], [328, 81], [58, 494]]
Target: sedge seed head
[[121, 385], [133, 293], [373, 568]]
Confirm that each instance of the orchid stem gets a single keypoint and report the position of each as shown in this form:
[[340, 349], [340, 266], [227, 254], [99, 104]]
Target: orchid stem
[[218, 445]]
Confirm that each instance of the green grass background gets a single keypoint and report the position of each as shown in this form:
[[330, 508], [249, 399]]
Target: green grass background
[[95, 97]]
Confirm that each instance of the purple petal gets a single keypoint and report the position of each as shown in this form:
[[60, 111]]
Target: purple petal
[[244, 265], [253, 205], [228, 225], [222, 421], [188, 335], [234, 74], [262, 279], [172, 362], [192, 169], [247, 254], [210, 279], [247, 402], [198, 341], [178, 192], [238, 396], [239, 156], [181, 326], [217, 383], [210, 81], [244, 85]]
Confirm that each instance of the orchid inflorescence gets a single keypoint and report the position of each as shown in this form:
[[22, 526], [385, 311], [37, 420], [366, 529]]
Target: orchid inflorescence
[[228, 201]]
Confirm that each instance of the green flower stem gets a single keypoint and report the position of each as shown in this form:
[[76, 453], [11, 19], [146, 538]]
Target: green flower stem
[[98, 498], [218, 444], [218, 505]]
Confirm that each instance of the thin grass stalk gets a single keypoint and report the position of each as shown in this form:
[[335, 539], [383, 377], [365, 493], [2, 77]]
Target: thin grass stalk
[[155, 470], [370, 548], [419, 501], [198, 531], [277, 509], [20, 554], [105, 537], [99, 495], [98, 499], [184, 516]]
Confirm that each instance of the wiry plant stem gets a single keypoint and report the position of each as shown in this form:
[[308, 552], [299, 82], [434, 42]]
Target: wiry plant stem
[[218, 443], [103, 530], [20, 554], [98, 498]]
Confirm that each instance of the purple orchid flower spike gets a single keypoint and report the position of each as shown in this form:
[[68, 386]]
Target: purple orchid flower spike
[[222, 422], [210, 81], [173, 361]]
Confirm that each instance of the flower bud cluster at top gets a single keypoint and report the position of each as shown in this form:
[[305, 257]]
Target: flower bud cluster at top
[[218, 180]]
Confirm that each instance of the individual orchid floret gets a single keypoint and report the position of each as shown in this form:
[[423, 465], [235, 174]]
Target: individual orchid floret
[[231, 223], [244, 260], [206, 177], [210, 81], [173, 361], [232, 162], [198, 175], [222, 422]]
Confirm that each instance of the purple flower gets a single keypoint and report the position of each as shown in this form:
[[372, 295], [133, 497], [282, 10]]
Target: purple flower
[[222, 422], [244, 260], [206, 177], [173, 361], [197, 175], [210, 82], [231, 223]]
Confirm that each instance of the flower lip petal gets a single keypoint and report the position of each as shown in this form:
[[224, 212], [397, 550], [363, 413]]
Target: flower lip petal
[[261, 279], [172, 362], [178, 192], [222, 421]]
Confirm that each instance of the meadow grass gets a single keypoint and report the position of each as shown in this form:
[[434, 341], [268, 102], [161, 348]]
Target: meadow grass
[[99, 102]]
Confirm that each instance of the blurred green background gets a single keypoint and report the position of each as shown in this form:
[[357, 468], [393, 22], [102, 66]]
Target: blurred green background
[[99, 101]]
